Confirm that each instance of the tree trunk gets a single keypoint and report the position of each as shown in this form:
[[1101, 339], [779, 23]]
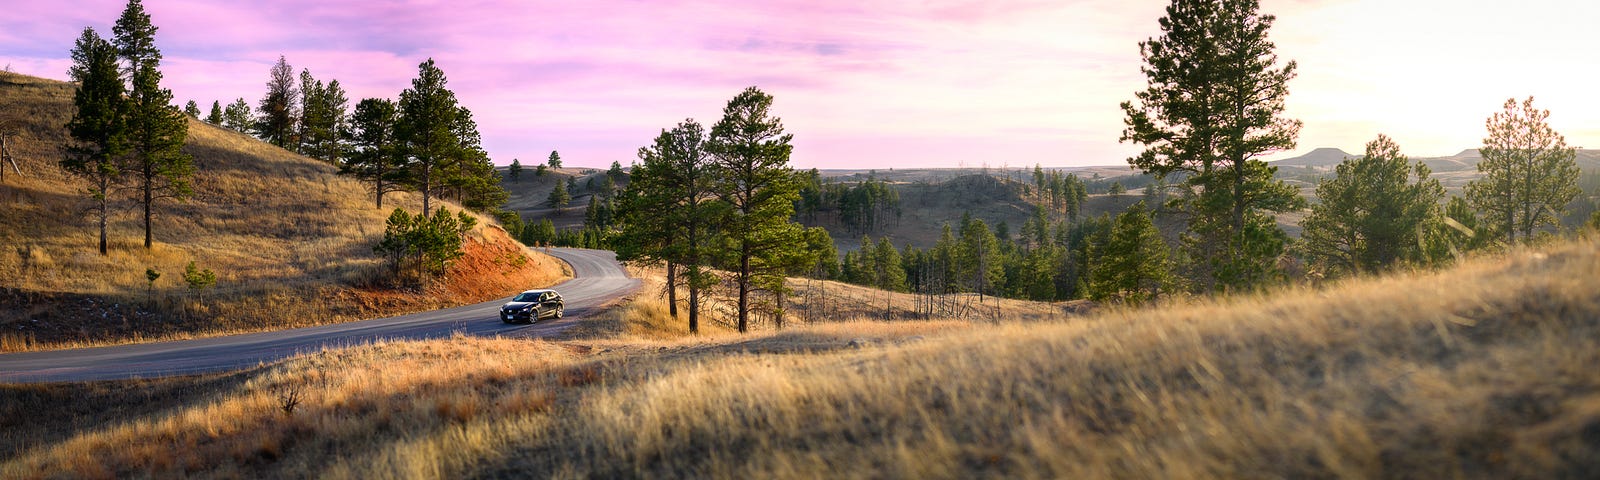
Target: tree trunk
[[103, 215], [147, 185], [694, 307], [672, 289], [778, 314], [744, 287]]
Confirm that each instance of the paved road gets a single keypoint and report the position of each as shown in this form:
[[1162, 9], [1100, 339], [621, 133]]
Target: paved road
[[597, 280]]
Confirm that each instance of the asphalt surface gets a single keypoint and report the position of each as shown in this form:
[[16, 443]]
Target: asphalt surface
[[597, 280]]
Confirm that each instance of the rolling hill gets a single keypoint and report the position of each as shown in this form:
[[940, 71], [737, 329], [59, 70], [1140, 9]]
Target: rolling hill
[[289, 240]]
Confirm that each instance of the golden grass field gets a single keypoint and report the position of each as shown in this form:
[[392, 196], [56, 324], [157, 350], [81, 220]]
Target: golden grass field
[[1482, 370], [277, 228]]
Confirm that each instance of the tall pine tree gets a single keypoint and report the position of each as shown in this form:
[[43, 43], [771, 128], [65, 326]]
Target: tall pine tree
[[753, 178], [278, 108], [1529, 173], [375, 152], [1213, 107], [99, 124], [427, 128], [667, 215], [157, 129]]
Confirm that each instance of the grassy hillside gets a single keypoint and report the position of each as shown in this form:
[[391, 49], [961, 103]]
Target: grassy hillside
[[529, 193], [1484, 370], [290, 242]]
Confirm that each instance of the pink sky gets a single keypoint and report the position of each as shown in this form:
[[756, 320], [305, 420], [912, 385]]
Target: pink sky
[[876, 84]]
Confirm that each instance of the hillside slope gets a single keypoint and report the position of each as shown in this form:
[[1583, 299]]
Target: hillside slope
[[289, 239], [1481, 371]]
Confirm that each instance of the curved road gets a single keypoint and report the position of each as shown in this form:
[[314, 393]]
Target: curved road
[[597, 280]]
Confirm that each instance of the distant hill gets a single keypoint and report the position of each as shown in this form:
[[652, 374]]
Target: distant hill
[[289, 240], [1321, 157]]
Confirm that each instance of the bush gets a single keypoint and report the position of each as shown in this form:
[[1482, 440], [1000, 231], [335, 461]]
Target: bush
[[196, 278]]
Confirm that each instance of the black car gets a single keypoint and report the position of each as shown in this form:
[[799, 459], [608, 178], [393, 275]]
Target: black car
[[533, 305]]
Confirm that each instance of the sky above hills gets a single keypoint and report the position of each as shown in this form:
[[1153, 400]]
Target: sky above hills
[[876, 84]]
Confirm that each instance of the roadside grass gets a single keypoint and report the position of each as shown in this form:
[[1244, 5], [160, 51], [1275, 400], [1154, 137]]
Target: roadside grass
[[289, 240], [1483, 370]]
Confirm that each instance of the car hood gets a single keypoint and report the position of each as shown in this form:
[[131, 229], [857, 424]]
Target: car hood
[[517, 305]]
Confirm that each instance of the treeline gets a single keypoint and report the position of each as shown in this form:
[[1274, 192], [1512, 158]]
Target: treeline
[[860, 207], [424, 141], [1101, 258]]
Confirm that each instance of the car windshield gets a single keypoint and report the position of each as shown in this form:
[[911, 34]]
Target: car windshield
[[526, 297]]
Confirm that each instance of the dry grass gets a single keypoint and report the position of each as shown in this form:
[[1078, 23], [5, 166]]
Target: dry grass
[[277, 228], [1481, 371]]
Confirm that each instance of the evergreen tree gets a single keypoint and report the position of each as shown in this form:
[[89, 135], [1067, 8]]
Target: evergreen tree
[[886, 266], [978, 257], [469, 176], [98, 127], [324, 121], [515, 170], [375, 155], [215, 117], [753, 179], [238, 116], [559, 198], [615, 173], [278, 108], [157, 130], [1529, 173], [1457, 232], [1212, 108], [555, 159], [665, 212], [310, 111], [1370, 215], [1131, 261], [427, 128], [192, 109]]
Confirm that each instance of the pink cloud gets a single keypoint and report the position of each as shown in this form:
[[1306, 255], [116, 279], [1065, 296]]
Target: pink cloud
[[894, 82]]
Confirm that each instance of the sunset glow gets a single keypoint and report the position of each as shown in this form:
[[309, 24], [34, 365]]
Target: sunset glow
[[859, 84]]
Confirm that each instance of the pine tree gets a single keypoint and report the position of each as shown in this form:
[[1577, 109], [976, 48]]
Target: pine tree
[[238, 116], [1529, 173], [427, 128], [1131, 260], [1212, 108], [978, 257], [1371, 216], [215, 117], [515, 170], [157, 130], [278, 108], [753, 179], [325, 120], [666, 215], [192, 109], [555, 159], [310, 111], [468, 175], [375, 151], [98, 127], [559, 198]]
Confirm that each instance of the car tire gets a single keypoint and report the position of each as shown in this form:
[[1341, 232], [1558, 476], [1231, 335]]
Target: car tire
[[561, 311]]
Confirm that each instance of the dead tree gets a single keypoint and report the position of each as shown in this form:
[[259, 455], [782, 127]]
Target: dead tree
[[8, 127]]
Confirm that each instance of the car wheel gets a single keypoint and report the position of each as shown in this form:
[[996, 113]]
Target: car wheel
[[561, 310]]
